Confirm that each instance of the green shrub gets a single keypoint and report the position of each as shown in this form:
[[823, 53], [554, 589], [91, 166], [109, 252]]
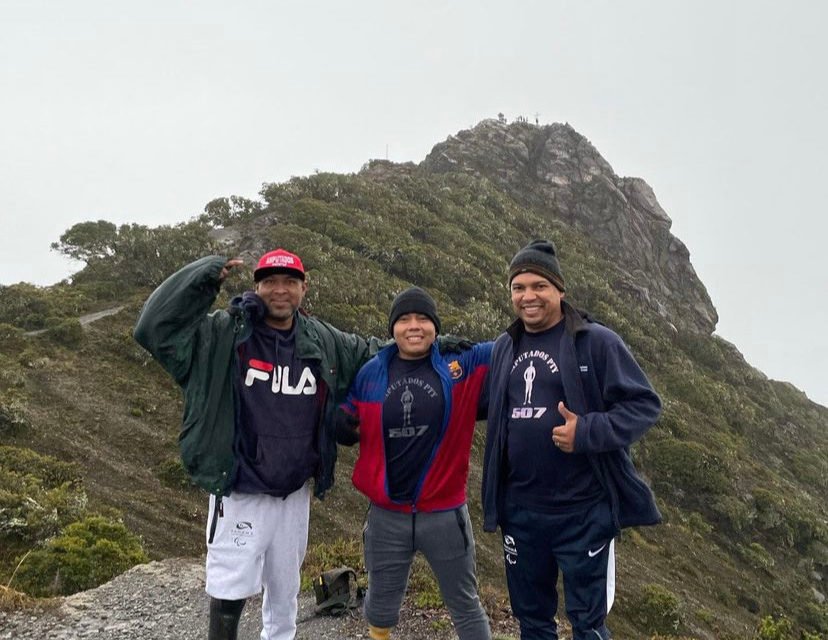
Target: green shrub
[[701, 348], [810, 466], [87, 554], [770, 628], [32, 357], [657, 610], [11, 374], [756, 555], [815, 616], [687, 467], [13, 418], [31, 512], [705, 615], [173, 474], [24, 305], [732, 513], [11, 338], [697, 524], [788, 520], [51, 471], [327, 555], [38, 495], [65, 333], [674, 419]]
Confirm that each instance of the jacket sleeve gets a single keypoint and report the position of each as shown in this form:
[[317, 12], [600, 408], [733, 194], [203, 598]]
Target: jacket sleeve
[[481, 356], [170, 319], [346, 426], [347, 418], [352, 351], [631, 406]]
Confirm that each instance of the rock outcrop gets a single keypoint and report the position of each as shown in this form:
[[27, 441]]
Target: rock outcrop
[[558, 172]]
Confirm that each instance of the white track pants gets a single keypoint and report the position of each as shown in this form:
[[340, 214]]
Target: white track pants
[[259, 542]]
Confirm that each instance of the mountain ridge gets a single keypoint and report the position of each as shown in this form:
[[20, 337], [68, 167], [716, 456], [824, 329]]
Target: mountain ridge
[[739, 463]]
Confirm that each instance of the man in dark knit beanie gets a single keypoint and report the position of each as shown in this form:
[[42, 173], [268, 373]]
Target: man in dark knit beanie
[[413, 300], [412, 410], [566, 400], [539, 256]]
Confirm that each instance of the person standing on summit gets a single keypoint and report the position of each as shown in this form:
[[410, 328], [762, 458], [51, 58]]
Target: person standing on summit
[[566, 400], [261, 382]]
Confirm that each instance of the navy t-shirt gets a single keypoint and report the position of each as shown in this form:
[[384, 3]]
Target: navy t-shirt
[[278, 414], [412, 418], [541, 476]]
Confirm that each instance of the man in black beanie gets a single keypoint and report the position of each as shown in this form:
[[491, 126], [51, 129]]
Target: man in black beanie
[[566, 400], [415, 409], [413, 300]]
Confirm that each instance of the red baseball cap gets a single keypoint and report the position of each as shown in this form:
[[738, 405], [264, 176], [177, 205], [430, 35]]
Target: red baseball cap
[[279, 261]]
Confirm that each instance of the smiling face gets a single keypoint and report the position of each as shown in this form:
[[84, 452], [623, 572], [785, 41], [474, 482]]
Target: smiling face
[[537, 302], [414, 334], [282, 294]]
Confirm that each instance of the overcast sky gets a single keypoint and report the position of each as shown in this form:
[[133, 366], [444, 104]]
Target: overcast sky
[[145, 111]]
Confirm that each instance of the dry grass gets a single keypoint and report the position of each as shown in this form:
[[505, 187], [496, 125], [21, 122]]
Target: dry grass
[[11, 600]]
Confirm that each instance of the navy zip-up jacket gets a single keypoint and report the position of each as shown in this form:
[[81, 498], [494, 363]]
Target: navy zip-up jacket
[[615, 404]]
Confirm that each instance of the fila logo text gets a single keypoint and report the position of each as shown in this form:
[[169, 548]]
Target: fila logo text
[[280, 382]]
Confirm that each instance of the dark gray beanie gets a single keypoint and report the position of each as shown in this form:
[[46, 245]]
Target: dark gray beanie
[[540, 257], [413, 300]]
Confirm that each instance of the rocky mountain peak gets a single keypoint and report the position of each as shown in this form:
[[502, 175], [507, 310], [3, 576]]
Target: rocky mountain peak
[[558, 172]]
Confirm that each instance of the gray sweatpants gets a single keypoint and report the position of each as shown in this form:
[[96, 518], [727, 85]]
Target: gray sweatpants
[[445, 539]]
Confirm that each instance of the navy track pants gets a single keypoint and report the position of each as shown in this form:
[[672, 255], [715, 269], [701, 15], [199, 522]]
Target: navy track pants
[[581, 545]]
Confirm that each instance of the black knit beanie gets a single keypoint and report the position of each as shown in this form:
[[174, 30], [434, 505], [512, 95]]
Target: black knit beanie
[[540, 257], [413, 300]]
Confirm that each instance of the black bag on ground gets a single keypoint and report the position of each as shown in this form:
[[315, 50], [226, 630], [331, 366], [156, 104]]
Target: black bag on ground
[[337, 592]]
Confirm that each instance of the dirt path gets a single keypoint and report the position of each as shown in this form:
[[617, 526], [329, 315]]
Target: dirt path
[[84, 320], [92, 317]]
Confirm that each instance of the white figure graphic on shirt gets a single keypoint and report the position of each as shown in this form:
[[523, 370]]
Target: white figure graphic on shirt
[[528, 378], [407, 400]]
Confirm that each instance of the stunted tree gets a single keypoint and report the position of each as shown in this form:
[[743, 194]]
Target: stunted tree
[[133, 253], [221, 212], [88, 241]]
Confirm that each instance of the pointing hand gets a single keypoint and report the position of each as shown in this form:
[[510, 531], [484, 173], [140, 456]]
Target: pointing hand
[[564, 435], [225, 270]]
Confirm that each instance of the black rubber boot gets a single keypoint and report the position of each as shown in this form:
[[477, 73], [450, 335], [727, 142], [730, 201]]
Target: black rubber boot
[[224, 618]]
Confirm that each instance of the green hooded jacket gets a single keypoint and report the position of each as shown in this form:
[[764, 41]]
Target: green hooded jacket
[[199, 350]]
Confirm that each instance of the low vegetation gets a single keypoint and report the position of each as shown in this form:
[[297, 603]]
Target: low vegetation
[[90, 484]]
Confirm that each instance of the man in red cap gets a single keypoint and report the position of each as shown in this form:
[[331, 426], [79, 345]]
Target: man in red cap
[[261, 382]]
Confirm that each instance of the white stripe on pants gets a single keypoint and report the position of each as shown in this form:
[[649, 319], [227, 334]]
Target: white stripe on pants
[[260, 542]]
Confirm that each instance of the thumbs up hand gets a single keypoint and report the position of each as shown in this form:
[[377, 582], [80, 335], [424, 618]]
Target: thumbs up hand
[[564, 435]]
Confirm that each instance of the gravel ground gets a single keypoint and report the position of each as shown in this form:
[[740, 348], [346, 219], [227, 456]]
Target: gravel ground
[[166, 600]]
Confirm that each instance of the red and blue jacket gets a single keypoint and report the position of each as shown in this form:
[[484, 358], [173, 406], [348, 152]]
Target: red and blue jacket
[[442, 483]]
